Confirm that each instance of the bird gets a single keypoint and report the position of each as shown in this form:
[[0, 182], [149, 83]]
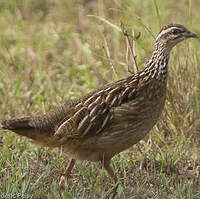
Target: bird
[[111, 118]]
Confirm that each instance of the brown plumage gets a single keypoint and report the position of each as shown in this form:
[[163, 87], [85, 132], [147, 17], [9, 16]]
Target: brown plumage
[[109, 119]]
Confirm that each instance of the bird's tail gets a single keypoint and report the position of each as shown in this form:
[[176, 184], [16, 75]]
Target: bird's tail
[[27, 127], [17, 124], [41, 129]]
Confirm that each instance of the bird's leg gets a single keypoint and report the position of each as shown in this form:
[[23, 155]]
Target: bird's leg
[[64, 177], [106, 164]]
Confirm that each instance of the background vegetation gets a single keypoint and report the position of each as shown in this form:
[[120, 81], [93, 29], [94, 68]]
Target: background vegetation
[[52, 50]]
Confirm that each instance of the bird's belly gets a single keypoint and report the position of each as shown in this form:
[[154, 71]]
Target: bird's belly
[[82, 150], [129, 125]]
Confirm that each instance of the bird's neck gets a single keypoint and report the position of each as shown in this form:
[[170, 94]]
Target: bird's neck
[[158, 63]]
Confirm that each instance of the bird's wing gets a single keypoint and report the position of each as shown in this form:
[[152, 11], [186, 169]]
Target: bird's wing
[[87, 120], [95, 111]]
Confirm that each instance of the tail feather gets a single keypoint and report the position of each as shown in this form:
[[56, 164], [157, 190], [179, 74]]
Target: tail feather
[[17, 124], [41, 129], [25, 127]]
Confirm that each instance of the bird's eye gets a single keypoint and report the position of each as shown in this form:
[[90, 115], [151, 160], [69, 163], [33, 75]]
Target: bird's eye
[[176, 31]]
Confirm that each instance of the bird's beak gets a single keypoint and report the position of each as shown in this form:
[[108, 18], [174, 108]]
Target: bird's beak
[[193, 35]]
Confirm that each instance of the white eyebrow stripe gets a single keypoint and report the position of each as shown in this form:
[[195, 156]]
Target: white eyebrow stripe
[[166, 31]]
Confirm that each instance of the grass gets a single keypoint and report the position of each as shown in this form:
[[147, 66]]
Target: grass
[[52, 50]]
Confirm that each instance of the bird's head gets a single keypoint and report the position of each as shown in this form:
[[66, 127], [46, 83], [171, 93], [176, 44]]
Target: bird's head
[[172, 34]]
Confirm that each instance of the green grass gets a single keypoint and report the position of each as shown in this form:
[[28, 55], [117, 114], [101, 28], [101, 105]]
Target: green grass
[[52, 50]]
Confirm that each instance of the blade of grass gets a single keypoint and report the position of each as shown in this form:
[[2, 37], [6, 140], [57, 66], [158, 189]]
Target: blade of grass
[[107, 22], [157, 13]]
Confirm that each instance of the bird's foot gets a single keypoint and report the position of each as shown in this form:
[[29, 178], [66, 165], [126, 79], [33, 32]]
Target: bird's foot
[[63, 182], [113, 193]]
